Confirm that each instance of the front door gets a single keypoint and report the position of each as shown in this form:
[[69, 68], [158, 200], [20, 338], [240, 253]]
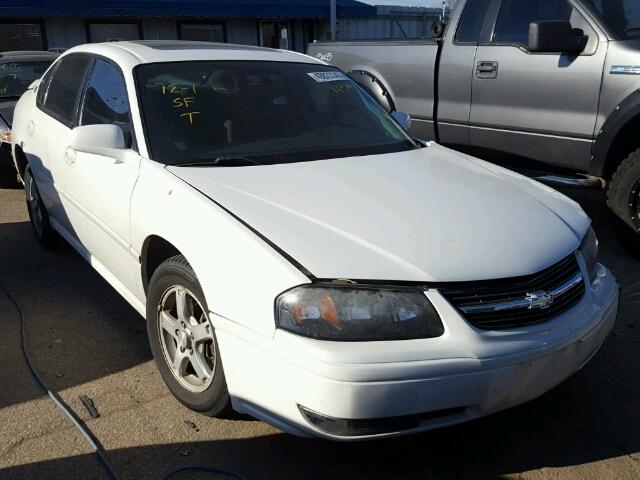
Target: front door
[[98, 189], [541, 106]]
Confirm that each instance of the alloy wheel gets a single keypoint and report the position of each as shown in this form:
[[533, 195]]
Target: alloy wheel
[[187, 340]]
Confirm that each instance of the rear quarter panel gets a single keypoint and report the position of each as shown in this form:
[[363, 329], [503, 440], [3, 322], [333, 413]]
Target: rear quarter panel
[[22, 113]]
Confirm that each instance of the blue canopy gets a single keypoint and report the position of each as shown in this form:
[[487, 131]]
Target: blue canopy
[[184, 8]]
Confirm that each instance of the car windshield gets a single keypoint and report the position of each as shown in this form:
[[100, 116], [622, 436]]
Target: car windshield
[[622, 15], [15, 77], [250, 112]]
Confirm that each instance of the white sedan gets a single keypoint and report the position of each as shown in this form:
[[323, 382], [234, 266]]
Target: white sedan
[[297, 255]]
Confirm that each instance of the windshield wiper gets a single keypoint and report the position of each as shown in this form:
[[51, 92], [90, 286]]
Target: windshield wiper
[[231, 161], [632, 29]]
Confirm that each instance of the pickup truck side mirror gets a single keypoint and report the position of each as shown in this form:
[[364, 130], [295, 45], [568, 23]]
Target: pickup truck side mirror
[[106, 140], [404, 119], [556, 37]]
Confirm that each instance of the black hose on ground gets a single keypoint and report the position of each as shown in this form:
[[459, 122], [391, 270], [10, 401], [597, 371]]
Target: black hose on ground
[[57, 400], [77, 422]]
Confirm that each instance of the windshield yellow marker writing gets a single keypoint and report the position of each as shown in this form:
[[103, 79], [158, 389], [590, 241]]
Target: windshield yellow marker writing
[[180, 102], [341, 87], [189, 116], [172, 88]]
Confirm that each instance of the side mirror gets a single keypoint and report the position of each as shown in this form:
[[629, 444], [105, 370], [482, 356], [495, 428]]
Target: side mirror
[[105, 140], [556, 37], [404, 119]]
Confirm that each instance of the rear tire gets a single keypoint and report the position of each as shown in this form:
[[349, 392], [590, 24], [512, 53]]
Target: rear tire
[[38, 214], [623, 196], [183, 340]]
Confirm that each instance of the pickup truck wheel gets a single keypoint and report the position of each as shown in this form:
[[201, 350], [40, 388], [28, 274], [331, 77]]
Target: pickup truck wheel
[[183, 340], [623, 196], [38, 214]]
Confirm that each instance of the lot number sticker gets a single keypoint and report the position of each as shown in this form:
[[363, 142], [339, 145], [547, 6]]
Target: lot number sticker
[[328, 76]]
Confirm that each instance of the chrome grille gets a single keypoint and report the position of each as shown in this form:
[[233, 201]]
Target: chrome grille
[[517, 302]]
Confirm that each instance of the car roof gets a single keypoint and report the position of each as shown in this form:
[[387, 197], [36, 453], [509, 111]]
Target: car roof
[[153, 51], [28, 55]]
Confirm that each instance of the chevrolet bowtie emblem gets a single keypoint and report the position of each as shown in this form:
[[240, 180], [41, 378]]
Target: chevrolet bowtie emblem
[[539, 300]]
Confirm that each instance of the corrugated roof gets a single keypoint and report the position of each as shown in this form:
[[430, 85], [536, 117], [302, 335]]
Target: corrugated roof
[[183, 8]]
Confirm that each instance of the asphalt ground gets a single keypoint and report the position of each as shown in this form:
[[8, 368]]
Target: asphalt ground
[[85, 340]]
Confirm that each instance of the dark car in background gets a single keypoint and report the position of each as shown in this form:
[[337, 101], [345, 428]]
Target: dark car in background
[[18, 70]]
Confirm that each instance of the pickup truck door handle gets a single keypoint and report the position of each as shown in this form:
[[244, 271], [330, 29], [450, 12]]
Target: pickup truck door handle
[[487, 70]]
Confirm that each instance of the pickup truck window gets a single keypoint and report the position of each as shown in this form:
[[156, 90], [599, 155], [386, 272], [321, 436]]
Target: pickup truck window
[[516, 15], [623, 16], [470, 25], [260, 112]]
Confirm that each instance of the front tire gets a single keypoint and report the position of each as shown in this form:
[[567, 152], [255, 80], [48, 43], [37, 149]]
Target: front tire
[[38, 214], [623, 196], [183, 340]]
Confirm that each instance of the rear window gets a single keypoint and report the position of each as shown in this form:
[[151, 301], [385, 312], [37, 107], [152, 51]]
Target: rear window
[[15, 77]]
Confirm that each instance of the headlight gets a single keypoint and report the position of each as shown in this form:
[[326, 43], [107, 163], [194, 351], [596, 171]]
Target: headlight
[[353, 313], [589, 250], [5, 136]]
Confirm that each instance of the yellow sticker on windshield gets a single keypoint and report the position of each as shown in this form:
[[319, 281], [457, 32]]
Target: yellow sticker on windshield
[[342, 87]]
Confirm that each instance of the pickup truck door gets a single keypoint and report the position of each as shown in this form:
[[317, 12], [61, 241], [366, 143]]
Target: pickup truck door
[[98, 189], [541, 106], [455, 71]]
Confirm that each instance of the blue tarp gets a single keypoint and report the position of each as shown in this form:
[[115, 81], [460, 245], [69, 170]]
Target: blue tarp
[[183, 8]]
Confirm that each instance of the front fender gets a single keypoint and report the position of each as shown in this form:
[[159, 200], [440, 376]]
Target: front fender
[[375, 86], [240, 274]]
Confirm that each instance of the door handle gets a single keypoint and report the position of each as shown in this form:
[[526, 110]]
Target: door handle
[[487, 70], [70, 156], [31, 127]]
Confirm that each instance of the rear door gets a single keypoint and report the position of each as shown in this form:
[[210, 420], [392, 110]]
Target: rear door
[[541, 106], [51, 128], [455, 73]]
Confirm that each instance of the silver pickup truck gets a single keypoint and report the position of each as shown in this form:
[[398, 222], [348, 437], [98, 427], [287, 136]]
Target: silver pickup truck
[[551, 81]]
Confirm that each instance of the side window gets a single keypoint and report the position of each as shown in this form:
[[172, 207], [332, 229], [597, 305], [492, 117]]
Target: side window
[[470, 26], [65, 87], [105, 100], [516, 15]]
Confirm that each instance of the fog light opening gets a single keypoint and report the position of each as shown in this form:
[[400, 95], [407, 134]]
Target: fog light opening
[[344, 427]]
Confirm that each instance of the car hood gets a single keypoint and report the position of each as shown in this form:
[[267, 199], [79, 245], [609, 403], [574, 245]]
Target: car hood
[[6, 111], [426, 215]]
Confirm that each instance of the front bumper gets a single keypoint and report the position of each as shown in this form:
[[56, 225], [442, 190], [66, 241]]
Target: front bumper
[[427, 383]]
